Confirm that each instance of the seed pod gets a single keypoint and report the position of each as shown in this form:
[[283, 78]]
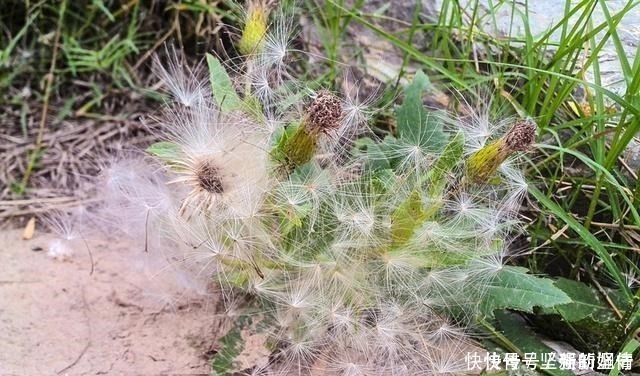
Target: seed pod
[[299, 149], [482, 164], [521, 135], [208, 176], [324, 113]]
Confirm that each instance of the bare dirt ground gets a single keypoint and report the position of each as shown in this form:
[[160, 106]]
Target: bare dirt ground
[[56, 318]]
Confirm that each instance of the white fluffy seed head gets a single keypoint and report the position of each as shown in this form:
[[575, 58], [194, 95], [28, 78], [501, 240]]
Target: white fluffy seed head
[[131, 194], [67, 237], [476, 121], [186, 83], [211, 158], [346, 297]]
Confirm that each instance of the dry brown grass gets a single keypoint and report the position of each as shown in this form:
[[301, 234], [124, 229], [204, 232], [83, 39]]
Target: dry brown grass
[[72, 152]]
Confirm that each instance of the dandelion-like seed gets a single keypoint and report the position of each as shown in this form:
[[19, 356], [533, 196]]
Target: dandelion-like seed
[[185, 83]]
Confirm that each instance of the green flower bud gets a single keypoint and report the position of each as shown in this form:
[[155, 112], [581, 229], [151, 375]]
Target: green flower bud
[[255, 29]]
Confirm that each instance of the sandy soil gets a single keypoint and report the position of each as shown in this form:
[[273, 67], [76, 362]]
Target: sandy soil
[[56, 318]]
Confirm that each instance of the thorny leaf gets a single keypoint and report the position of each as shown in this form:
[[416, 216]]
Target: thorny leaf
[[586, 302], [231, 345], [373, 154], [406, 218], [243, 347], [587, 321], [448, 160], [513, 288]]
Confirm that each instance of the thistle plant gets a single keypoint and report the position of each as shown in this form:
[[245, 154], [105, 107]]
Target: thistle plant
[[366, 256]]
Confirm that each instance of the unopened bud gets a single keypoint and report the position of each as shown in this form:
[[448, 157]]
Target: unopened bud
[[255, 29]]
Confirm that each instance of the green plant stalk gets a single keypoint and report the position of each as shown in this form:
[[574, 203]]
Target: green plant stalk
[[630, 346], [405, 56], [598, 152], [605, 174], [500, 337]]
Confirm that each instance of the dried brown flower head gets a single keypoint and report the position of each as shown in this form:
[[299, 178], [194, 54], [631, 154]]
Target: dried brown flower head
[[208, 177], [521, 135], [325, 112]]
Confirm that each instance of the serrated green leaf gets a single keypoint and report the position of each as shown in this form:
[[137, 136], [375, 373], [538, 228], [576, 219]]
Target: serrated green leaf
[[293, 217], [234, 355], [587, 322], [414, 124], [253, 107], [373, 154], [526, 341], [383, 180], [166, 151], [513, 288], [586, 302], [437, 258], [223, 91], [282, 136], [436, 178]]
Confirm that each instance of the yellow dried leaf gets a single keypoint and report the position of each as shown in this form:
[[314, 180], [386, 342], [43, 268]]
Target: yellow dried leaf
[[29, 229]]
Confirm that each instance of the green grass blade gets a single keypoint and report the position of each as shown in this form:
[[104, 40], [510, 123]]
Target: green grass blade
[[588, 237]]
